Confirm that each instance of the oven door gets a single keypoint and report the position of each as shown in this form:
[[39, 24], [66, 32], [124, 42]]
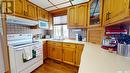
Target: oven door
[[20, 64]]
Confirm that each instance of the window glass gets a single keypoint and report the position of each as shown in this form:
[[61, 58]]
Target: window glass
[[60, 29], [60, 20]]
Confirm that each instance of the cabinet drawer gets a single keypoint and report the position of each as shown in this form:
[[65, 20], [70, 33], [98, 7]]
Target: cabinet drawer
[[50, 43], [58, 44], [68, 45], [79, 46]]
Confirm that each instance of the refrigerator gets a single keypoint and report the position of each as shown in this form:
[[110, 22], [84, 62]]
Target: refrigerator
[[2, 67]]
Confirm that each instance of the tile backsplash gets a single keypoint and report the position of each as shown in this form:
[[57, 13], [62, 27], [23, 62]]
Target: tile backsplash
[[73, 32], [22, 29]]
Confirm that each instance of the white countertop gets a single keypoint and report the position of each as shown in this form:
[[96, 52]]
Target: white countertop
[[65, 41], [96, 60]]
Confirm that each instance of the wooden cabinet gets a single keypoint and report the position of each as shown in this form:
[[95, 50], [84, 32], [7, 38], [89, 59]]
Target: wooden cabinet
[[115, 11], [19, 7], [26, 9], [65, 52], [71, 15], [95, 13], [79, 49], [50, 48], [69, 53], [50, 21], [45, 50], [55, 50], [95, 35], [43, 14], [77, 16], [31, 11], [58, 51], [81, 15]]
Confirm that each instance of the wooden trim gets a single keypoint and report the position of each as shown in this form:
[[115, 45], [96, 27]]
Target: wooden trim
[[59, 12], [125, 20], [5, 46]]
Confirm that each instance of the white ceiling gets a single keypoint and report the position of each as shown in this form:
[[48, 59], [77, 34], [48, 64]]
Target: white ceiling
[[56, 4]]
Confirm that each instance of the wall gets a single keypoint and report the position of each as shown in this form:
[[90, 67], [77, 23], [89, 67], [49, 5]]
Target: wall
[[73, 32], [22, 29]]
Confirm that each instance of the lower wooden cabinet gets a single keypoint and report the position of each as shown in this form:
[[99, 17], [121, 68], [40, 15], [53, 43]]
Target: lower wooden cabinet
[[45, 50], [79, 49], [69, 53], [65, 52], [55, 50]]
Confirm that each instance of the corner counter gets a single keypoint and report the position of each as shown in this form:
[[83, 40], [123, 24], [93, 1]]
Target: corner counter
[[94, 59]]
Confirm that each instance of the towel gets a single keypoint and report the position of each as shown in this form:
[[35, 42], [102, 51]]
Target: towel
[[27, 53]]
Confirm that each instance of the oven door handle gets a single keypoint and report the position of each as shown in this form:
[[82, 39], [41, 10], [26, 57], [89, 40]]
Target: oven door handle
[[19, 49]]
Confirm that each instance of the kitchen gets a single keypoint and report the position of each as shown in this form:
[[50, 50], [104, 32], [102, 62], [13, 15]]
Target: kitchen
[[65, 36]]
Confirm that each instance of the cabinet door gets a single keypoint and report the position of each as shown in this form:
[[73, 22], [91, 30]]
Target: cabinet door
[[81, 15], [69, 55], [19, 7], [95, 13], [95, 35], [50, 21], [50, 49], [58, 53], [45, 51], [72, 17], [119, 10], [79, 49], [31, 10], [106, 9], [43, 15]]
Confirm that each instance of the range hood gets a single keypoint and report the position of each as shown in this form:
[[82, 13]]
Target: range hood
[[20, 21]]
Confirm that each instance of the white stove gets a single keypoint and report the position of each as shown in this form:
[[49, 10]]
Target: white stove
[[25, 54]]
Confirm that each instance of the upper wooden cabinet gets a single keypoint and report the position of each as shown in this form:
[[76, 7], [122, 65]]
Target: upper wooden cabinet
[[19, 6], [26, 9], [31, 11], [115, 11], [43, 14], [77, 16], [71, 15], [81, 15], [95, 13]]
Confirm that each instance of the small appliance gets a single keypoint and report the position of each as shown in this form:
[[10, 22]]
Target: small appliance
[[110, 40], [43, 24]]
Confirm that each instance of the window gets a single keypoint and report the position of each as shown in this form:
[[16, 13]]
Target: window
[[60, 27]]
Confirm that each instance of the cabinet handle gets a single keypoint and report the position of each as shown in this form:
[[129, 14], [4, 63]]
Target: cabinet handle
[[109, 17], [106, 16]]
